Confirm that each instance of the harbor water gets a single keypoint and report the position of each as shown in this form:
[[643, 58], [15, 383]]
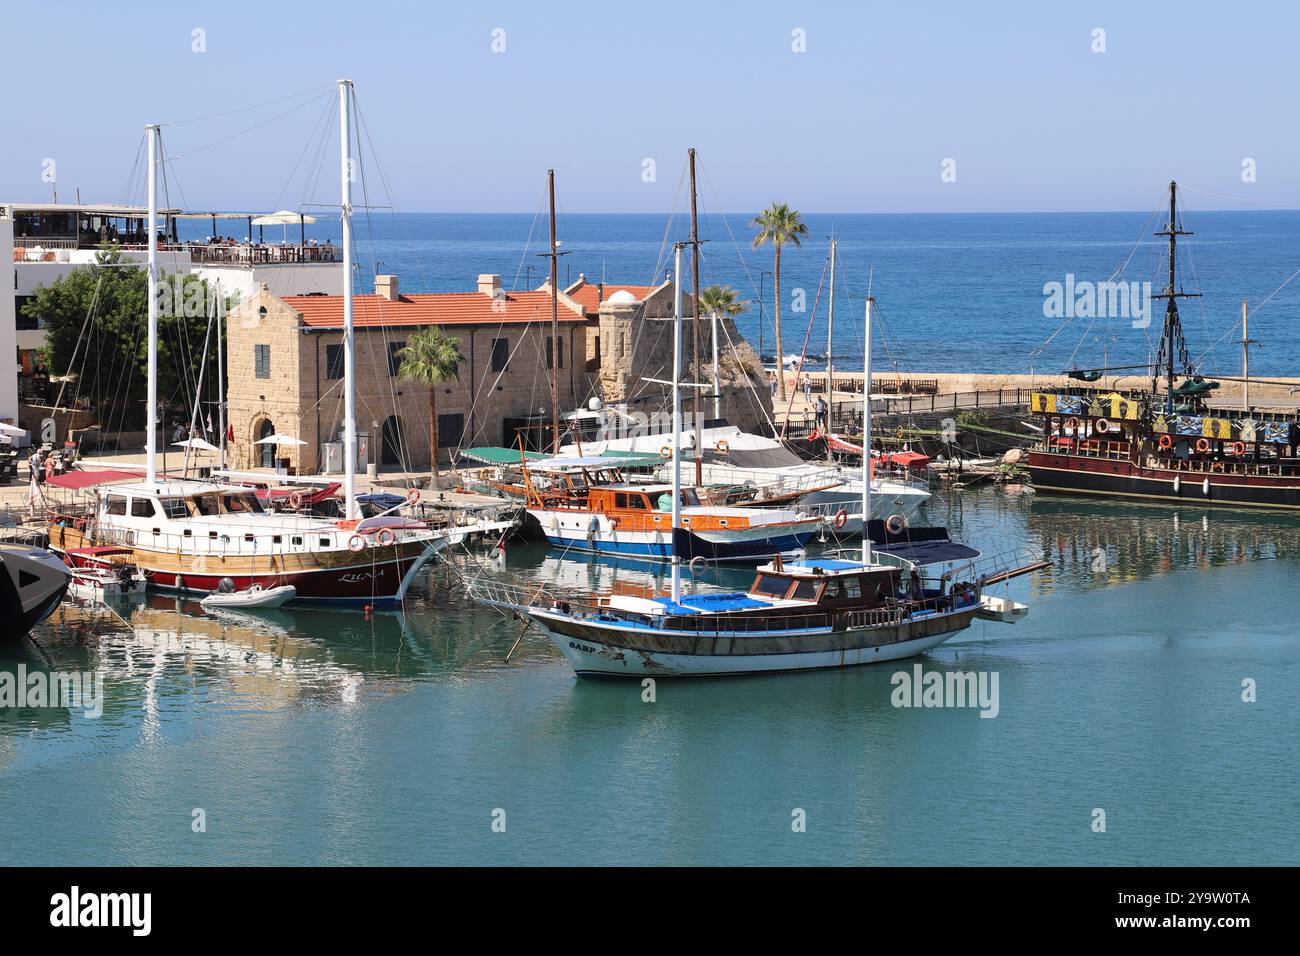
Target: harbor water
[[325, 737]]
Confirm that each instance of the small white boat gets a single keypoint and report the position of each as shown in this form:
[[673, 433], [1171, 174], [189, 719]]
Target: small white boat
[[1001, 609], [254, 596], [100, 584]]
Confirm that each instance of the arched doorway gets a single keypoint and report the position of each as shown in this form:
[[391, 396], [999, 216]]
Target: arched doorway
[[394, 449], [265, 455]]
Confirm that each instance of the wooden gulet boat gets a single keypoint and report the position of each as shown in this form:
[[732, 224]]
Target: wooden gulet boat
[[637, 520], [804, 615], [193, 536]]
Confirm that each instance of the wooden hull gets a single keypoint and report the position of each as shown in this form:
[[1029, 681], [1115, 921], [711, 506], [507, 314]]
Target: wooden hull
[[600, 650], [376, 576], [1079, 474]]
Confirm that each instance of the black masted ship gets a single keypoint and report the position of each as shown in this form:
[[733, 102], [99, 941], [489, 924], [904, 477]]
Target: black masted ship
[[1167, 443]]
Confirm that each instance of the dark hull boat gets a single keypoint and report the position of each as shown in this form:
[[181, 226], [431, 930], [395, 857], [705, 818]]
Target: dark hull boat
[[1169, 443], [32, 583]]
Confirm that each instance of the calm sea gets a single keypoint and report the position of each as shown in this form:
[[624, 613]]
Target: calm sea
[[954, 292], [329, 737]]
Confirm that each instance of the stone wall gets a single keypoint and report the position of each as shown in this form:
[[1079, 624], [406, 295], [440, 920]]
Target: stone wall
[[300, 399], [636, 342]]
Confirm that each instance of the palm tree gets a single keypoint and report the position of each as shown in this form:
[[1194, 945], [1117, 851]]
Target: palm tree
[[779, 224], [430, 358]]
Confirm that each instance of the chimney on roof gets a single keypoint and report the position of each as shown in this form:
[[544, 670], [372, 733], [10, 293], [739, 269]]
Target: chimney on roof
[[386, 288], [489, 284]]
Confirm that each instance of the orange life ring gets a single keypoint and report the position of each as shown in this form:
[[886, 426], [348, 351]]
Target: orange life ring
[[841, 518], [666, 452], [1072, 423], [385, 537], [1202, 444], [722, 447], [413, 496], [1239, 448], [1166, 442], [295, 500]]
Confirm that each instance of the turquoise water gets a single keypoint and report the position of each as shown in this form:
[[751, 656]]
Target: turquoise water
[[954, 292], [327, 737]]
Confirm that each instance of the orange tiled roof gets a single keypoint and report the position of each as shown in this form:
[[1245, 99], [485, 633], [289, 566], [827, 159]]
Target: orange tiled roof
[[587, 293], [430, 308]]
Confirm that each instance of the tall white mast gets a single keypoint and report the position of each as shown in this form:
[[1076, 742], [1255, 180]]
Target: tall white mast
[[677, 420], [866, 438], [151, 403], [349, 385], [221, 373], [717, 376], [830, 352]]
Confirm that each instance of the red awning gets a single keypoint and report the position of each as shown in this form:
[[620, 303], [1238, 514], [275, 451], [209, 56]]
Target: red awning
[[87, 479], [908, 459]]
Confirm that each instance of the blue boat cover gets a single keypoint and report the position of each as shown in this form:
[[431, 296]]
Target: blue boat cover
[[929, 552]]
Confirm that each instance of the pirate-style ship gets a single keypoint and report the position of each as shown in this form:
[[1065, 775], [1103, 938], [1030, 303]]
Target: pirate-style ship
[[1167, 444]]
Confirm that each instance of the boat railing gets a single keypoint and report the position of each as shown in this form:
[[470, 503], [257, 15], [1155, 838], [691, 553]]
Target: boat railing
[[517, 597], [724, 474]]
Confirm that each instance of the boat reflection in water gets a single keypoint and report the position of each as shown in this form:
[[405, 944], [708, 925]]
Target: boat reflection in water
[[1090, 545]]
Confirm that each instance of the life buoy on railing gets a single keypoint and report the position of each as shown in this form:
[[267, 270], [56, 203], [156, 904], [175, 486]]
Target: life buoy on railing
[[413, 496], [722, 446], [1166, 442], [385, 537], [841, 518], [1102, 426], [1072, 424], [1239, 448], [295, 500], [356, 543], [666, 452], [697, 564], [895, 524], [1202, 444]]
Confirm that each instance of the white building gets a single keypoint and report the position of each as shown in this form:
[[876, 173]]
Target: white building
[[40, 242]]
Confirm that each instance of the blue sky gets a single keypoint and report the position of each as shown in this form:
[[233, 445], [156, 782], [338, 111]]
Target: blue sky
[[861, 122]]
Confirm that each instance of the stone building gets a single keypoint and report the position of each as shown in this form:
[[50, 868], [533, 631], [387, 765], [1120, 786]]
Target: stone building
[[284, 366]]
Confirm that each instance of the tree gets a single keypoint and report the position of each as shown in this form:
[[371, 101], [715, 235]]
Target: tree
[[430, 358], [779, 224], [96, 329]]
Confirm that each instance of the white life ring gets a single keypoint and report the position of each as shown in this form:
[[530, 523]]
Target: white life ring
[[295, 500], [385, 537], [895, 523], [1102, 426], [356, 543], [697, 564]]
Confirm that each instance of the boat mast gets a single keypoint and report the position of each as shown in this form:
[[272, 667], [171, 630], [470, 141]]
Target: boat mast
[[830, 352], [1171, 339], [1246, 343], [151, 401], [221, 375], [555, 324], [866, 437], [349, 346], [677, 420], [695, 325]]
